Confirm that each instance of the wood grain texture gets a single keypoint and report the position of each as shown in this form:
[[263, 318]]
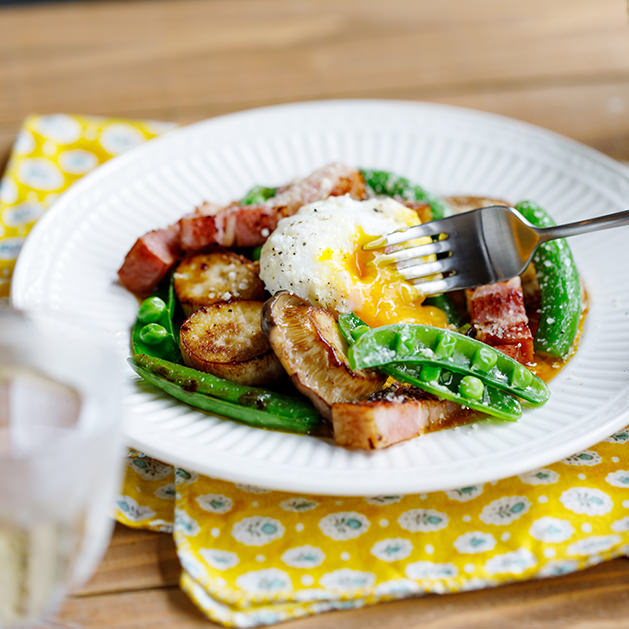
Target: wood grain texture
[[563, 65], [191, 59], [135, 560]]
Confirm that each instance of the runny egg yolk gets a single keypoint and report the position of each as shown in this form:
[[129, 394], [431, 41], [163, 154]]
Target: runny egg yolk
[[379, 294]]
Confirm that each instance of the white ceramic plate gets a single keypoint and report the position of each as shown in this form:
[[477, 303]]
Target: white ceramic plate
[[69, 262]]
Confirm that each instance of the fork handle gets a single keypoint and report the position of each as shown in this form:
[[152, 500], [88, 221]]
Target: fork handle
[[581, 227]]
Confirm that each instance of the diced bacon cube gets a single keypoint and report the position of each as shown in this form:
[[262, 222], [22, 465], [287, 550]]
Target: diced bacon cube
[[390, 416], [150, 259], [498, 314], [197, 232], [254, 224]]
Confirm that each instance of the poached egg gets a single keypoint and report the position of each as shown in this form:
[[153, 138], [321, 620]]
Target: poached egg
[[318, 255]]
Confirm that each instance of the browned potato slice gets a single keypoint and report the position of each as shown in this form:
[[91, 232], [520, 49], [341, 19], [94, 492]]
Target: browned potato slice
[[307, 341], [208, 278], [226, 339]]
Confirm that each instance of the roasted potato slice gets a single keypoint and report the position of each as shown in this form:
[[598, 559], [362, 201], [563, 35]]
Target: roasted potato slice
[[208, 278], [307, 341], [226, 339]]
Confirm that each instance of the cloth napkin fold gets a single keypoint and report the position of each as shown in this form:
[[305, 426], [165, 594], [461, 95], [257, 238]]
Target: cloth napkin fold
[[251, 556]]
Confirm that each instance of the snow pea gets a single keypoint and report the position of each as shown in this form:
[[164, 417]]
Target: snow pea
[[427, 345], [153, 332], [246, 414], [195, 381], [258, 194], [383, 182], [559, 286]]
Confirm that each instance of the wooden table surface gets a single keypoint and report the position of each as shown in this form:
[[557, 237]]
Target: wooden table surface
[[562, 64]]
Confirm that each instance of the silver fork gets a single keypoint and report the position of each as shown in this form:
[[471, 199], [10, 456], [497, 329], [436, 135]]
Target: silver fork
[[477, 247]]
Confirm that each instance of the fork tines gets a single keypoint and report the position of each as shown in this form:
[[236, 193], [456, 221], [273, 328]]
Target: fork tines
[[411, 252], [432, 228], [429, 275]]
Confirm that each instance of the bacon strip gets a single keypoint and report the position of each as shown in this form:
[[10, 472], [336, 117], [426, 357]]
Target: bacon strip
[[392, 415], [498, 314], [234, 225]]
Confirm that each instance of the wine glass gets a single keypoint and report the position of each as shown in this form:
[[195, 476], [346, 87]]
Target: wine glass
[[60, 459]]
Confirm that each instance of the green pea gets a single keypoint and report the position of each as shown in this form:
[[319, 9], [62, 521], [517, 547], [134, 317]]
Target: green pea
[[521, 377], [430, 373], [255, 253], [158, 309], [471, 387], [151, 309], [153, 333], [484, 359]]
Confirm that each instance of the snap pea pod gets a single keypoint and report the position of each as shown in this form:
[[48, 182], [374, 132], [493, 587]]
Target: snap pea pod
[[258, 194], [465, 389], [194, 381], [468, 391], [153, 332], [389, 184], [427, 345], [559, 286], [445, 303], [245, 414]]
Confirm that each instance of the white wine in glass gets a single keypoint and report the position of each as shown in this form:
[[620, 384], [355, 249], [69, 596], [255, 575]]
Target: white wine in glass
[[60, 460]]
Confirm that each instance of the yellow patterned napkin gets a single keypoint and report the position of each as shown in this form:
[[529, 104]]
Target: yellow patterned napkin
[[252, 556]]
